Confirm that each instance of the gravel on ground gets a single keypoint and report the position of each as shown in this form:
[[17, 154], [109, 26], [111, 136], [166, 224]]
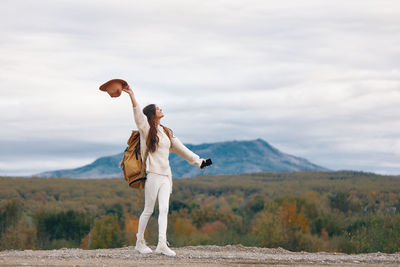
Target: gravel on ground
[[202, 256]]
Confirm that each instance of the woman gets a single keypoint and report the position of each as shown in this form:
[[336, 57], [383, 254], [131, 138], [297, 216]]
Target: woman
[[158, 140]]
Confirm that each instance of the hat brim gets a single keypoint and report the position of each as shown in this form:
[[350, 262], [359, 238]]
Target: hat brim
[[104, 86]]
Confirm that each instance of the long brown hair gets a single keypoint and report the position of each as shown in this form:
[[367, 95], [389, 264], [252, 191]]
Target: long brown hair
[[152, 138]]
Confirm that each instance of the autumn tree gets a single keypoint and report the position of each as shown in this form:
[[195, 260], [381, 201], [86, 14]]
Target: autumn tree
[[106, 233]]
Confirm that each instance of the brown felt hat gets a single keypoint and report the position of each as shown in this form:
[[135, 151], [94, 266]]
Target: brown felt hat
[[113, 87]]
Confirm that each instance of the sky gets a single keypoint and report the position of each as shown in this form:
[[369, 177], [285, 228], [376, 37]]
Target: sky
[[316, 79]]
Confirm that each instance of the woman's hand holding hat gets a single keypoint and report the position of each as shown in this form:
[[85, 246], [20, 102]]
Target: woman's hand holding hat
[[114, 87], [127, 89]]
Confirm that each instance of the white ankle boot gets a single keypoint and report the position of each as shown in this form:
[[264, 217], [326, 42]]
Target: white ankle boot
[[141, 245], [163, 248]]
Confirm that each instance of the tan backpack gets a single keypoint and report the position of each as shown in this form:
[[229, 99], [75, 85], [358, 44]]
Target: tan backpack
[[133, 167]]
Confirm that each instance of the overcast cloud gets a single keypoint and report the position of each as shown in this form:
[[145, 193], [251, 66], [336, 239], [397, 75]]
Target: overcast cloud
[[317, 79]]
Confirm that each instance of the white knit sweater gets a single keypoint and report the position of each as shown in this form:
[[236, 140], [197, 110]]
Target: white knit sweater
[[157, 161]]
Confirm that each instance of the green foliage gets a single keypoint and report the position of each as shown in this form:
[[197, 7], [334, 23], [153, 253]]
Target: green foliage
[[340, 201], [117, 210], [203, 214], [177, 205], [106, 233], [257, 205], [10, 214], [333, 223], [371, 233], [21, 236], [267, 230], [69, 226], [352, 212], [15, 232]]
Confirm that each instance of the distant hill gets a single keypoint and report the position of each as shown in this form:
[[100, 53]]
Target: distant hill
[[232, 157]]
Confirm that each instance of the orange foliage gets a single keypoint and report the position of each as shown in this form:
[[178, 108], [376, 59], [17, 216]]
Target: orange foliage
[[183, 226], [22, 236], [131, 228], [39, 197], [210, 228], [85, 242], [291, 219], [325, 238]]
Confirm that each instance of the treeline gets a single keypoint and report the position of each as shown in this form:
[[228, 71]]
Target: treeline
[[350, 212]]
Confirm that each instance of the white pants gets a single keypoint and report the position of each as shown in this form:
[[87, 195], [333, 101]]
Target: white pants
[[156, 186]]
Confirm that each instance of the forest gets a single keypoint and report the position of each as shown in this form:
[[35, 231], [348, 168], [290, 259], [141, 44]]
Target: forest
[[341, 211]]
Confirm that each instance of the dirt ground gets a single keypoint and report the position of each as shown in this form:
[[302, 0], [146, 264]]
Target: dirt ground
[[202, 256]]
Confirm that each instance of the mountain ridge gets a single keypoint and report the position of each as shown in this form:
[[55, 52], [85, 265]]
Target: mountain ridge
[[229, 157]]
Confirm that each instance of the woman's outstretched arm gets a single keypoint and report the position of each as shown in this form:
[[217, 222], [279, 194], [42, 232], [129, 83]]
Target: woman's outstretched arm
[[180, 149]]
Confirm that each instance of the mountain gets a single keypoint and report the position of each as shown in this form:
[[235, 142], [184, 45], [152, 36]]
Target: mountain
[[233, 157]]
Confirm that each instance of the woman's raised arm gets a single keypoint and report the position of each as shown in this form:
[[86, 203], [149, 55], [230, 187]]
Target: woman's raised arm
[[140, 118], [128, 90]]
